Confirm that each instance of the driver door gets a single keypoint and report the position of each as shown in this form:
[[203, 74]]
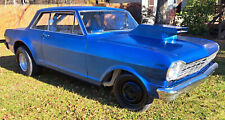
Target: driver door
[[64, 44]]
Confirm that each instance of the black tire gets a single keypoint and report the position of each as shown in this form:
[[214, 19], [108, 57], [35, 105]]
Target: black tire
[[131, 93], [31, 69]]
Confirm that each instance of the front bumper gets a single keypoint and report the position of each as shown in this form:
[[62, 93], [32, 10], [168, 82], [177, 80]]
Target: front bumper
[[169, 94]]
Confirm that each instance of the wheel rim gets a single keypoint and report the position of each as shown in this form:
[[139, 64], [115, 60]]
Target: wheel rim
[[23, 62], [132, 92]]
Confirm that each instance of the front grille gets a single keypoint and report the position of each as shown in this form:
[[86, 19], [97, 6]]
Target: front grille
[[196, 66]]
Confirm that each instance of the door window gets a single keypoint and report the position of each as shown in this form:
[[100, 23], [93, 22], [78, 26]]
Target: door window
[[64, 22], [42, 22]]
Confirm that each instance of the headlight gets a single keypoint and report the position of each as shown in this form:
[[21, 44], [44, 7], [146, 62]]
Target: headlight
[[174, 70]]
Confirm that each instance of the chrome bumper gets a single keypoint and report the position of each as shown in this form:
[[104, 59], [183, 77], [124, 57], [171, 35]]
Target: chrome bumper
[[6, 44], [169, 94]]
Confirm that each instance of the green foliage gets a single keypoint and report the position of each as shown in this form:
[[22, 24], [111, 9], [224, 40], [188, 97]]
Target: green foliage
[[197, 14]]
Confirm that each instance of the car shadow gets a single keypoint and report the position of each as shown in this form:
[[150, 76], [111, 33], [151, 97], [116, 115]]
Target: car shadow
[[101, 94]]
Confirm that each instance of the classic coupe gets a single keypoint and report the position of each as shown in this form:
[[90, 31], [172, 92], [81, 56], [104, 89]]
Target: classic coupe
[[105, 46]]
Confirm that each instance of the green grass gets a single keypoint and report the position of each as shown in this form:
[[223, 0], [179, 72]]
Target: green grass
[[53, 95]]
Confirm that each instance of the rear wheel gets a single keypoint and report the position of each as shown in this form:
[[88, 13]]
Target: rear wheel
[[25, 62], [131, 93]]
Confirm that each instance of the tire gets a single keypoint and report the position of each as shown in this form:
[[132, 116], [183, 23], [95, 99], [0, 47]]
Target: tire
[[25, 62], [131, 93]]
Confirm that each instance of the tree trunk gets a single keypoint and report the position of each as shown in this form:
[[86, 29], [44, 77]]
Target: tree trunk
[[183, 4], [219, 2], [14, 2], [5, 2], [161, 13]]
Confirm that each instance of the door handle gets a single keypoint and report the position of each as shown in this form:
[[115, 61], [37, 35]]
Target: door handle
[[45, 35]]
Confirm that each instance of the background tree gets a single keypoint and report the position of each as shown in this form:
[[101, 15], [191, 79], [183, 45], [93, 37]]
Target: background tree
[[197, 15]]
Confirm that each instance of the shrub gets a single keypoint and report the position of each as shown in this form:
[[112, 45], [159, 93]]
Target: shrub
[[197, 14]]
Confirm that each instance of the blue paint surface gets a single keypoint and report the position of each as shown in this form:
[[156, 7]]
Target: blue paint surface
[[146, 51]]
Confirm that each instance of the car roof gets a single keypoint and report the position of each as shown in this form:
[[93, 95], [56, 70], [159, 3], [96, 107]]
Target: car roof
[[78, 8]]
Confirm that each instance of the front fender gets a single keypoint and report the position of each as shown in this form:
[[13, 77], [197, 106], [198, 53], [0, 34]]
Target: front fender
[[146, 83]]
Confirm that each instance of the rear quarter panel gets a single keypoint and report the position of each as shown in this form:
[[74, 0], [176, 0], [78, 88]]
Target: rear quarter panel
[[26, 36]]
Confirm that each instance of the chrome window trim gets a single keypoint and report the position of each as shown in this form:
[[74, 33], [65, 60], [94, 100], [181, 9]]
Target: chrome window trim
[[107, 11], [128, 30], [65, 33], [37, 18]]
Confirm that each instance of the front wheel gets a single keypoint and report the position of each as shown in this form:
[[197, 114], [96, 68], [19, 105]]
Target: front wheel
[[25, 62], [131, 93]]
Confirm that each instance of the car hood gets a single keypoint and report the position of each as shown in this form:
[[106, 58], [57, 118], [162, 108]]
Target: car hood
[[164, 39], [187, 49]]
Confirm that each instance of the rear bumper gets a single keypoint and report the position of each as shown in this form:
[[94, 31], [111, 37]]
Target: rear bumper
[[169, 94], [6, 44]]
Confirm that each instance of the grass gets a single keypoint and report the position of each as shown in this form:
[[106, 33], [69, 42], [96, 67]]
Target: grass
[[53, 95]]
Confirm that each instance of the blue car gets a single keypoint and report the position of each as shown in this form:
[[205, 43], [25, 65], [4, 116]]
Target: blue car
[[105, 46]]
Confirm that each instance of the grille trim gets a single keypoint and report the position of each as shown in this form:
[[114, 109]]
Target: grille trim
[[195, 66]]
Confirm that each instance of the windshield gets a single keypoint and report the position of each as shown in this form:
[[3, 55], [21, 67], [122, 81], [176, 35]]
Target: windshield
[[103, 21]]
